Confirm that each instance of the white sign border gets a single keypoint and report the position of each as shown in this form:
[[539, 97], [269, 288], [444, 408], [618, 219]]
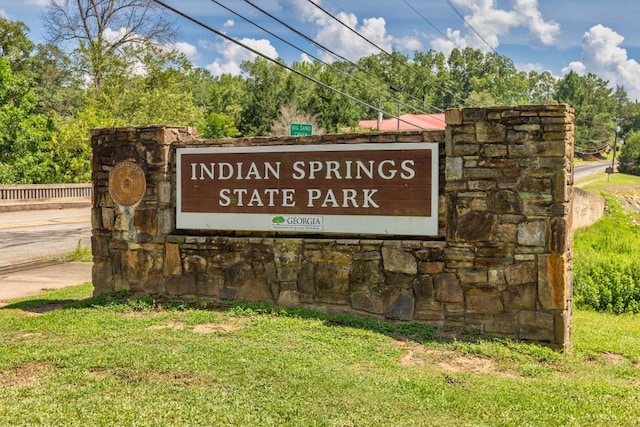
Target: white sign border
[[332, 224]]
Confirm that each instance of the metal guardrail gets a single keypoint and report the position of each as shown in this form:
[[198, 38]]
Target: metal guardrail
[[41, 192]]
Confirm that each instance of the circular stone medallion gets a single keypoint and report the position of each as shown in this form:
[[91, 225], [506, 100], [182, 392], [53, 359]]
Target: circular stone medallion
[[127, 183]]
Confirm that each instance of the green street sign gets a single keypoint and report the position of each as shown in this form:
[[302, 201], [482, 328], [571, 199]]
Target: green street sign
[[300, 129]]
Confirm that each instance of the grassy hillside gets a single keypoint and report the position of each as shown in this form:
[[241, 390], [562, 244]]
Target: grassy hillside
[[607, 254]]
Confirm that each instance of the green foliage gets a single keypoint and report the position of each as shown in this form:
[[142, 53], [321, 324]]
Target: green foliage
[[57, 88], [595, 104], [333, 111], [72, 147], [79, 254], [265, 94], [15, 46], [159, 95], [222, 95], [629, 160], [25, 137], [219, 125], [606, 265], [608, 287]]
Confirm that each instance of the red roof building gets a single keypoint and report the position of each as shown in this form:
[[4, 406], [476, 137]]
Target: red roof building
[[406, 122]]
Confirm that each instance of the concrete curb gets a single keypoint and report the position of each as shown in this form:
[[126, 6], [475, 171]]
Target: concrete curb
[[28, 265], [33, 206]]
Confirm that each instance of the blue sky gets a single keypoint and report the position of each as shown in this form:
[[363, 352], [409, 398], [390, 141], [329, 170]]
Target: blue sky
[[555, 35]]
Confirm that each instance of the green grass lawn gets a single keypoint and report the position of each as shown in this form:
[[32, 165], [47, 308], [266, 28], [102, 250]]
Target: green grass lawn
[[67, 359], [603, 181]]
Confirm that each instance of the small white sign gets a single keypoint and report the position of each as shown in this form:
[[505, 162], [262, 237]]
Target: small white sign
[[296, 223]]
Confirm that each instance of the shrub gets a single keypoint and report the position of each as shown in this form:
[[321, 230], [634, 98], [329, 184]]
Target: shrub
[[606, 266]]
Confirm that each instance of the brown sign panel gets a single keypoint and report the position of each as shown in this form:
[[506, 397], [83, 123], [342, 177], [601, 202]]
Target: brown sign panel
[[346, 181]]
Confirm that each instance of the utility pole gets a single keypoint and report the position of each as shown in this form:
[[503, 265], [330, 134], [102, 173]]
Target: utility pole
[[395, 90], [615, 145]]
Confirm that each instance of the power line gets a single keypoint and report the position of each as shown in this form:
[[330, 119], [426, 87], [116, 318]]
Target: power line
[[318, 59], [384, 51], [457, 11], [256, 52], [428, 22], [346, 26], [334, 54]]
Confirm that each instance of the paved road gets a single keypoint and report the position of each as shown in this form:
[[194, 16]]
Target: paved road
[[30, 236], [586, 169]]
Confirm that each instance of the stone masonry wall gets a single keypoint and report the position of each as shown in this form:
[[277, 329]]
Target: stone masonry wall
[[501, 263]]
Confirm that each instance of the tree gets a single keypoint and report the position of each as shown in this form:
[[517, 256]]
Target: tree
[[541, 87], [502, 80], [334, 111], [464, 65], [432, 79], [629, 160], [596, 108], [219, 125], [483, 99], [15, 46], [102, 29], [290, 114], [225, 95], [56, 87], [264, 96], [25, 137]]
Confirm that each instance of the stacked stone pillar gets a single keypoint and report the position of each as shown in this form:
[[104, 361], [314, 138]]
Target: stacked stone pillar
[[509, 176], [128, 239]]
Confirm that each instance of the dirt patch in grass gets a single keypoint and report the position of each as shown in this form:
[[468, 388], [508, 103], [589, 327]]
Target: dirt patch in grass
[[212, 328], [137, 376], [449, 361], [204, 328], [614, 358], [469, 364], [24, 375], [416, 355], [231, 324], [136, 314], [169, 325]]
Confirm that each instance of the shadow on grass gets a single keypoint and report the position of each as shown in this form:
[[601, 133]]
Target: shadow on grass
[[39, 306], [127, 302]]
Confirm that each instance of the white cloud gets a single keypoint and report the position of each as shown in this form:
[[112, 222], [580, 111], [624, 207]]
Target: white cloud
[[38, 2], [229, 23], [305, 58], [530, 66], [541, 31], [189, 50], [342, 40], [232, 55], [603, 56], [493, 23], [207, 44], [119, 34], [407, 43], [575, 66], [345, 42]]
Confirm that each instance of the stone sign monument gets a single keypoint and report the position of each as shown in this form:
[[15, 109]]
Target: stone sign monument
[[469, 227]]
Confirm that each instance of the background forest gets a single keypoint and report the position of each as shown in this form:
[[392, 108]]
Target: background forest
[[52, 94]]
